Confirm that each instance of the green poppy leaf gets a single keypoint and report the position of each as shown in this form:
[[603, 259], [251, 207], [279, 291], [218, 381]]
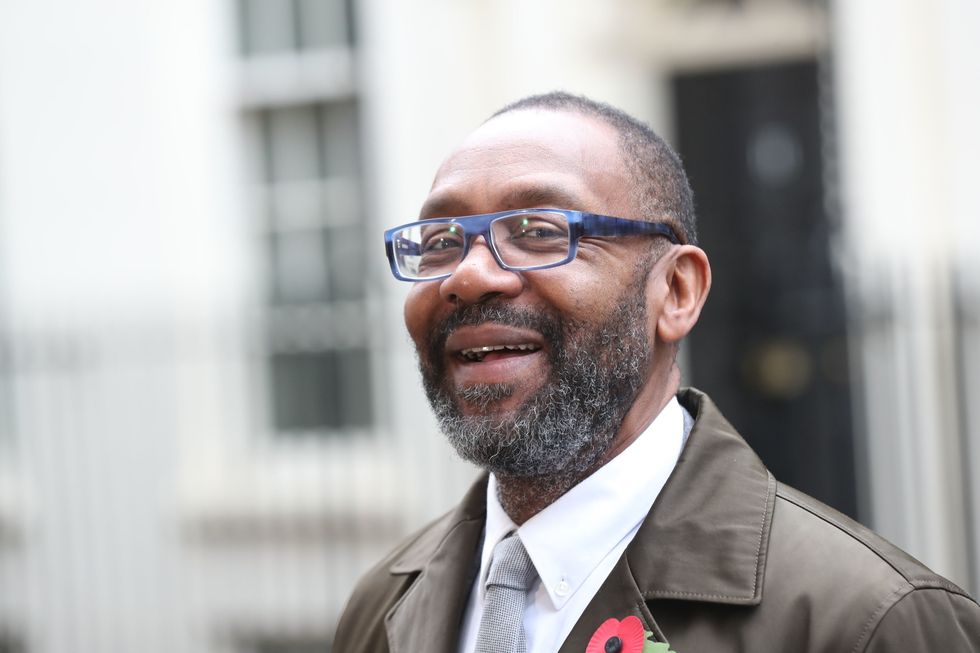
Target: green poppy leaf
[[656, 647]]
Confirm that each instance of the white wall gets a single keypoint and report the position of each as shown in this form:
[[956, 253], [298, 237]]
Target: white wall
[[910, 155]]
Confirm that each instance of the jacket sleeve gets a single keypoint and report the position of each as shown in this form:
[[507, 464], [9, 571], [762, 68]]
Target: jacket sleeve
[[928, 620]]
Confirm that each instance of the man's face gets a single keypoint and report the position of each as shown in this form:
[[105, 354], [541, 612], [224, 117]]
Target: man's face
[[570, 345]]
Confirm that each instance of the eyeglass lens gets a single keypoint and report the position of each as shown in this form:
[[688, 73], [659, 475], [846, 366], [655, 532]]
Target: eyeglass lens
[[522, 240]]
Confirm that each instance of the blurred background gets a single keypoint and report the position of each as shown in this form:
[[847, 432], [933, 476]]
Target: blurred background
[[210, 420]]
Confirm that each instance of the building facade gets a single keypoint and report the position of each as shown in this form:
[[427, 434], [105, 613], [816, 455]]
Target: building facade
[[210, 418]]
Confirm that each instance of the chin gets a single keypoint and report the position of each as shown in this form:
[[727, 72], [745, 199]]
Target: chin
[[488, 400]]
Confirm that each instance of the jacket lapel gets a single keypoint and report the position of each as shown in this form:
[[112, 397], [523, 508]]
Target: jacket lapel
[[619, 597], [429, 616], [705, 539]]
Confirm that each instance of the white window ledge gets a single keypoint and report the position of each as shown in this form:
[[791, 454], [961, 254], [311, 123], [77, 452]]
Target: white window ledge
[[296, 78]]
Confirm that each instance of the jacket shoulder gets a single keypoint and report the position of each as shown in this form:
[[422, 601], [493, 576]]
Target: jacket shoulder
[[838, 530], [824, 560]]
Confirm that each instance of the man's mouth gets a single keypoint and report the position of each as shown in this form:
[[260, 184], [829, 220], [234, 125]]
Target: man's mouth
[[493, 353], [479, 354]]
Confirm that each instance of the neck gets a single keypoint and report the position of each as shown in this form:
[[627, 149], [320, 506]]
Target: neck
[[522, 498]]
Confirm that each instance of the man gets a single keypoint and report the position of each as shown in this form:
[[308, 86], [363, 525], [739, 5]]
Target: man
[[618, 510]]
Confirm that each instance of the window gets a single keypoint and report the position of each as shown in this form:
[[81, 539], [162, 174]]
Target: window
[[275, 26], [315, 245], [321, 389], [315, 271], [307, 162]]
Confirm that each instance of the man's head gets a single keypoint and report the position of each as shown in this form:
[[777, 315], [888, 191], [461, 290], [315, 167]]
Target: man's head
[[659, 189], [547, 373]]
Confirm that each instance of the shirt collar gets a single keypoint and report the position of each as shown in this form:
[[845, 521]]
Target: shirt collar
[[569, 538]]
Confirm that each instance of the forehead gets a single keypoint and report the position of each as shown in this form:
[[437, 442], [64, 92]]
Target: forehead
[[529, 158]]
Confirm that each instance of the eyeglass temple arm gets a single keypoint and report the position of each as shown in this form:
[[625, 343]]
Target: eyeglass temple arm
[[604, 225]]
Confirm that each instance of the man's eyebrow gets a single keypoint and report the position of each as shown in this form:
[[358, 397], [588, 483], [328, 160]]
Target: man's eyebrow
[[544, 196], [526, 197], [441, 206]]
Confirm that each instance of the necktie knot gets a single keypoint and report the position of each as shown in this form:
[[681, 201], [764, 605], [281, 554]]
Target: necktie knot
[[511, 566]]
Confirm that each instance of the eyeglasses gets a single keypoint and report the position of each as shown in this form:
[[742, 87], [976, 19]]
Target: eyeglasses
[[526, 239]]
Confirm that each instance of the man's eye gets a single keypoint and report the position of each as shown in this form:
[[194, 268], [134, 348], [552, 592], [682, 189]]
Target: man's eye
[[537, 231], [436, 244], [442, 240], [540, 232]]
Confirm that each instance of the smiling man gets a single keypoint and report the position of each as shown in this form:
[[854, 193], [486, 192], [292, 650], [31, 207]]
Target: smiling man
[[555, 272]]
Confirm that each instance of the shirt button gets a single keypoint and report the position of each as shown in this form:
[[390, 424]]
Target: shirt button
[[563, 588]]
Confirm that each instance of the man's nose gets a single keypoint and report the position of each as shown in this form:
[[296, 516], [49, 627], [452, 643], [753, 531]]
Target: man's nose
[[478, 278]]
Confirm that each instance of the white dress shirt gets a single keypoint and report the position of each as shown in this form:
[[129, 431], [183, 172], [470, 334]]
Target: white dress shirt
[[577, 540]]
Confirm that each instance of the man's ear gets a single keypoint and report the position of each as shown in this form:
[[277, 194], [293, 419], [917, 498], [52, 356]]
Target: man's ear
[[688, 280]]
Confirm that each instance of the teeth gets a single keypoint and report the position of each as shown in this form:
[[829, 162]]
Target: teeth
[[477, 353]]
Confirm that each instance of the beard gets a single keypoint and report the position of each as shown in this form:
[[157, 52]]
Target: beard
[[564, 428]]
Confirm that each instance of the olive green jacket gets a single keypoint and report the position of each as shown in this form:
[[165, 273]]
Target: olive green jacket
[[727, 560]]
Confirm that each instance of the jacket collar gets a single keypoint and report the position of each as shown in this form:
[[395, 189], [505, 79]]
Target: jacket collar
[[429, 615], [706, 539], [707, 536]]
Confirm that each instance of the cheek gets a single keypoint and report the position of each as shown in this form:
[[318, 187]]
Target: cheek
[[586, 297], [420, 311]]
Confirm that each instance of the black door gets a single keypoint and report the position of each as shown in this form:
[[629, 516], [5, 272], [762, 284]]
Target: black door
[[770, 346]]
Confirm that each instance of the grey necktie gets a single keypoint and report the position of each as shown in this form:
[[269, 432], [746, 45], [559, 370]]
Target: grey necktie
[[511, 574]]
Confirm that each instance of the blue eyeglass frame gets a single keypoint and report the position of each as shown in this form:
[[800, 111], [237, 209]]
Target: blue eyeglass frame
[[579, 224]]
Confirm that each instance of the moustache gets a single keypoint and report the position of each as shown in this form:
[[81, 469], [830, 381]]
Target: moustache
[[548, 325]]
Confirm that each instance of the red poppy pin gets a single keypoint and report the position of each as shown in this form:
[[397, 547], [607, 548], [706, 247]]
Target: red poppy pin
[[626, 636]]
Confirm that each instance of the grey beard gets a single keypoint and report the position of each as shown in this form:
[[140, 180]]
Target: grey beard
[[564, 428]]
